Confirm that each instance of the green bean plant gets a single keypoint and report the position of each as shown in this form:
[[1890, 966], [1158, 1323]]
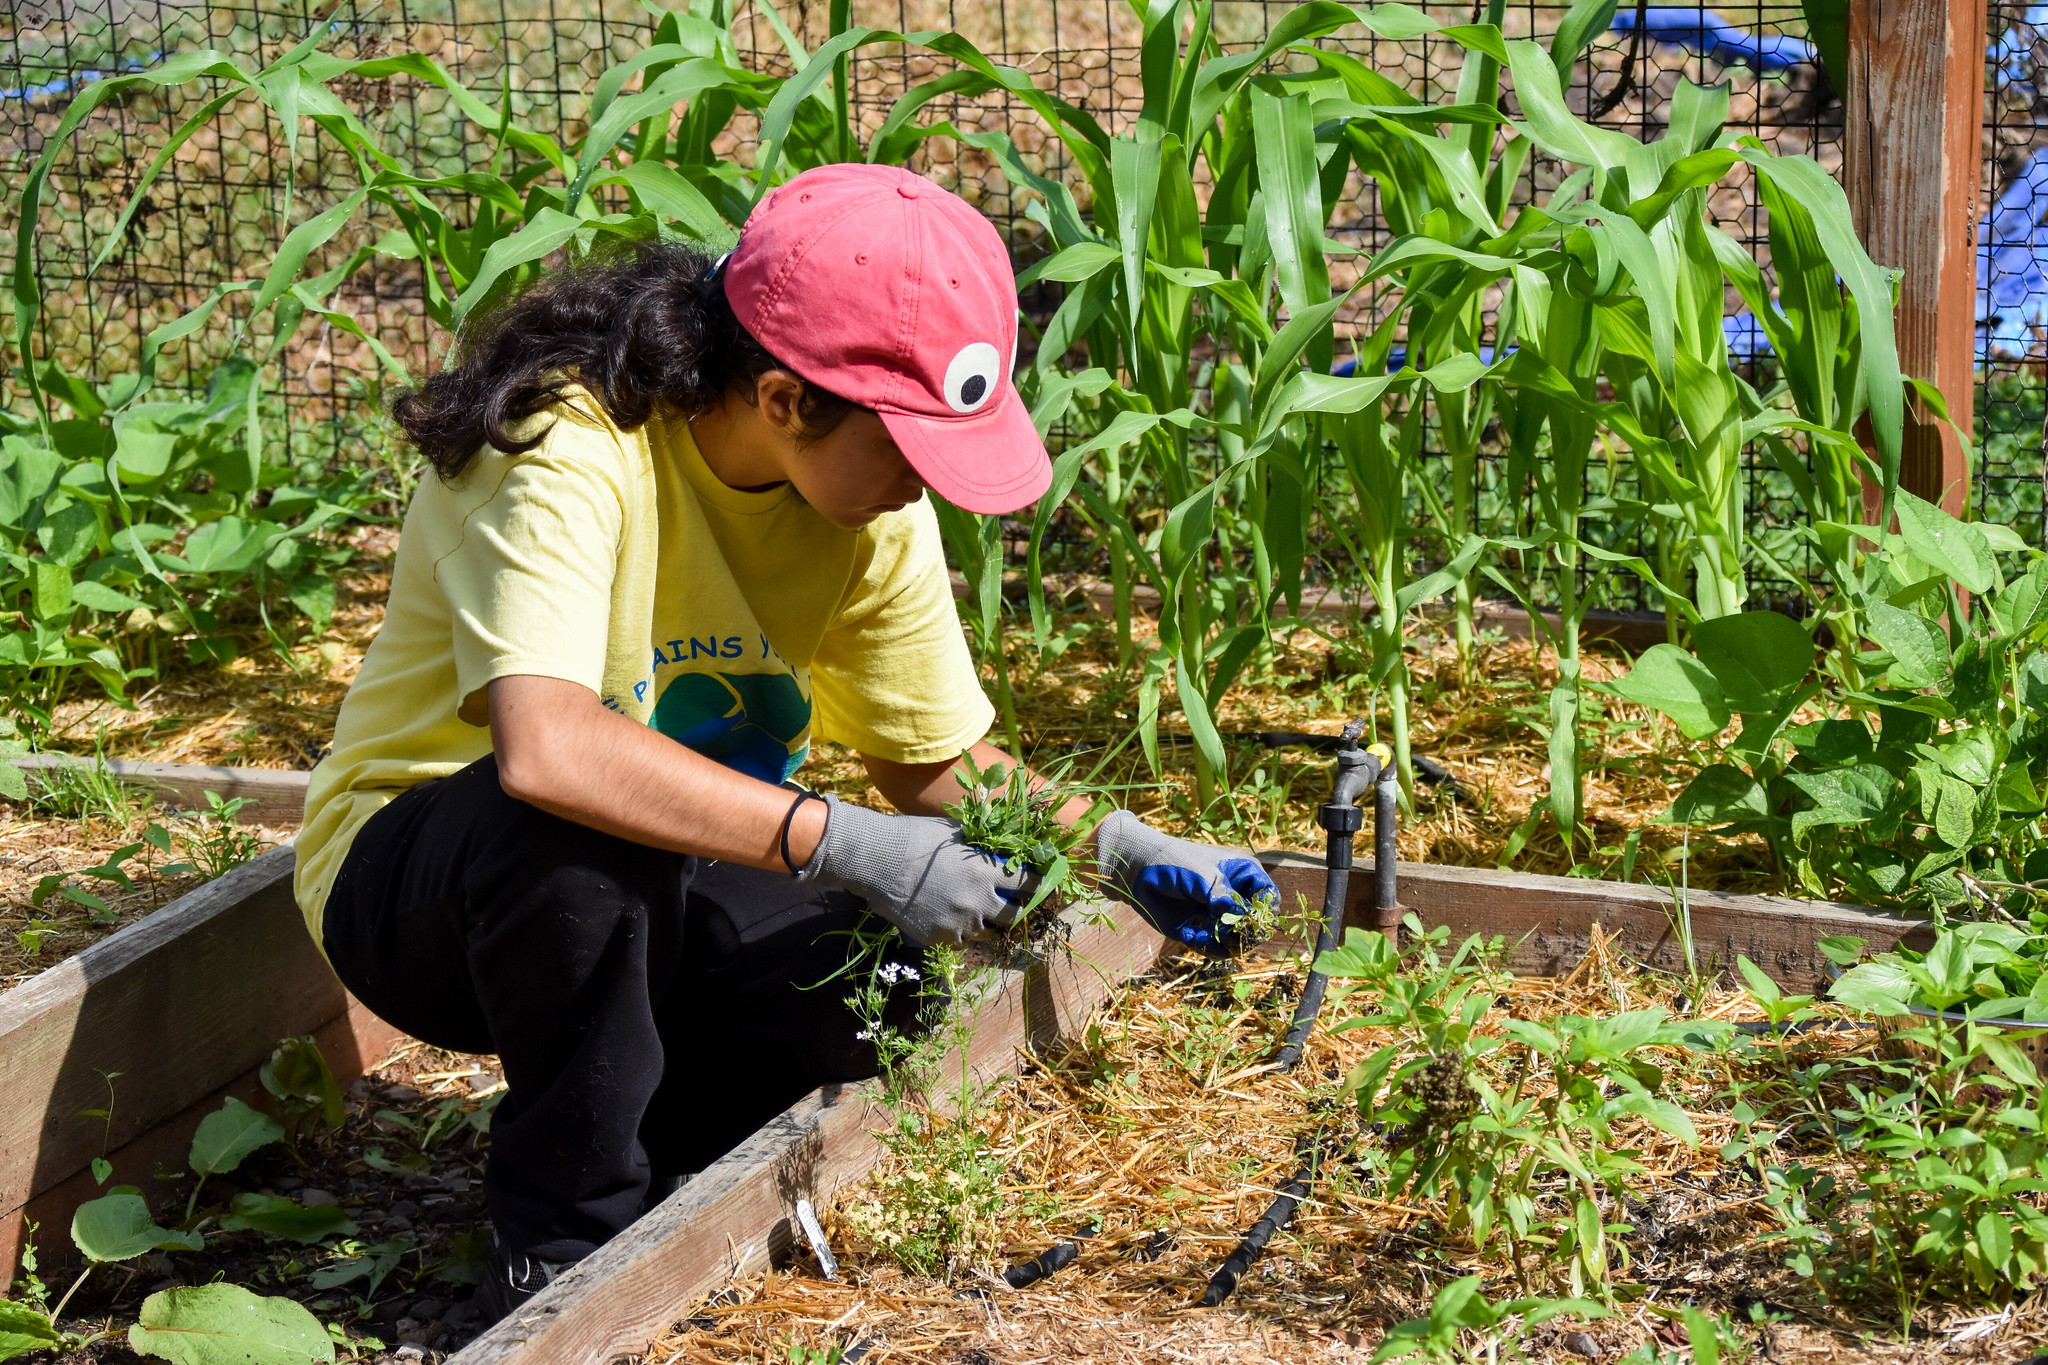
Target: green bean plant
[[1919, 781], [130, 526]]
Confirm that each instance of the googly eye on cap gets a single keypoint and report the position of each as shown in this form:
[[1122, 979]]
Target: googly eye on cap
[[973, 376]]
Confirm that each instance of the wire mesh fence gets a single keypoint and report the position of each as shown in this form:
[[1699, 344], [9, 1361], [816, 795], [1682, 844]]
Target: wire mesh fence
[[2012, 285], [214, 214]]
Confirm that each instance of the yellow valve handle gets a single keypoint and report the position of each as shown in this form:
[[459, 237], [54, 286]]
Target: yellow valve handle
[[1383, 754]]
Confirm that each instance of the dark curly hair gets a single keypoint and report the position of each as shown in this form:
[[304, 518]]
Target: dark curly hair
[[642, 323]]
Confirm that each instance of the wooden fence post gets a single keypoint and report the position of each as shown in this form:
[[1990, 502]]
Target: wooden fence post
[[1915, 128]]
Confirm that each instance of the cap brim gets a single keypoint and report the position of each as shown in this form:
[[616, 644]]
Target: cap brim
[[984, 462]]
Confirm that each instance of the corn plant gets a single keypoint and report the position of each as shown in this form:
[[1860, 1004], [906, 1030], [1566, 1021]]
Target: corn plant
[[1151, 280], [1617, 277], [1216, 445]]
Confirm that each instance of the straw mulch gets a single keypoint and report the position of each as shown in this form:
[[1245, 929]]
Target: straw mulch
[[1162, 1130], [35, 938]]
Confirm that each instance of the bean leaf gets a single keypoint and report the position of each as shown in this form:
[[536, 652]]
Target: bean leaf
[[229, 1134], [225, 1324], [286, 1218], [117, 1227]]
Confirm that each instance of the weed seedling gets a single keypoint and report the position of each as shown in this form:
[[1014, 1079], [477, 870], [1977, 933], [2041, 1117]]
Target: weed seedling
[[72, 789], [217, 844]]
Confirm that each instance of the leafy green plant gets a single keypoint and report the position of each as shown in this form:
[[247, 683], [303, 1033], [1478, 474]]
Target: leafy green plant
[[936, 1208], [133, 524], [1986, 970], [73, 789], [1003, 815], [1463, 1325], [1936, 805], [225, 1324], [215, 843], [1943, 1140], [937, 1211], [1515, 1131], [215, 1324]]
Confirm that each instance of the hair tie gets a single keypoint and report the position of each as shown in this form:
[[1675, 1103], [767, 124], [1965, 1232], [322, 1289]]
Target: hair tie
[[788, 817]]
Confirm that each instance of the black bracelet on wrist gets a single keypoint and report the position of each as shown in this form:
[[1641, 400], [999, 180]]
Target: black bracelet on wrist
[[788, 817]]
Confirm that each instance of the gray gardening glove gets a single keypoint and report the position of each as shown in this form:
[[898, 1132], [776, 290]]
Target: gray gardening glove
[[1184, 888], [918, 873]]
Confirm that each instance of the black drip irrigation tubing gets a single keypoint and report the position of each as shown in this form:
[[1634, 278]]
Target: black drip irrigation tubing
[[1051, 1261], [1358, 771], [1309, 1151]]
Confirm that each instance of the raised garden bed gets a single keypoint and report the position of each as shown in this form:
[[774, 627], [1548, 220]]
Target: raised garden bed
[[1153, 1135], [178, 1006], [102, 844], [735, 1220], [404, 1169]]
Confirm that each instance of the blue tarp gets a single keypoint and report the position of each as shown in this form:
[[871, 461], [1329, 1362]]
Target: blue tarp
[[1714, 38], [2012, 264], [65, 84]]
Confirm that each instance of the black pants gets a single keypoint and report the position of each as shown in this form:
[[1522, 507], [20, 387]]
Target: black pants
[[649, 1007]]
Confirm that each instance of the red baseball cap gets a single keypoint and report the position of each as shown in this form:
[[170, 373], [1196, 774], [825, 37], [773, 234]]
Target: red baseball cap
[[893, 293]]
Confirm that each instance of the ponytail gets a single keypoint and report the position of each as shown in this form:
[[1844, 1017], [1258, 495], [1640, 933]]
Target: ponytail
[[639, 324]]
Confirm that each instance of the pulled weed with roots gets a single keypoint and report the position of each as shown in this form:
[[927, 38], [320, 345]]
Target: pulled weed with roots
[[1002, 814]]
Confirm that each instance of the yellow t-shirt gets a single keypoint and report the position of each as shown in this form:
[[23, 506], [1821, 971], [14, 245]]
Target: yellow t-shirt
[[741, 624]]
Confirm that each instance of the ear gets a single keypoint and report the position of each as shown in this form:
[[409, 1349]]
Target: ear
[[779, 394]]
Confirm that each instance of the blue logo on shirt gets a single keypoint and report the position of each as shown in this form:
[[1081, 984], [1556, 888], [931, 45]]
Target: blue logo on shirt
[[750, 722]]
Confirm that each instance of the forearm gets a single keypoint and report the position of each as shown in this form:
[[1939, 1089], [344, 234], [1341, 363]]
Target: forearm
[[558, 748], [928, 788]]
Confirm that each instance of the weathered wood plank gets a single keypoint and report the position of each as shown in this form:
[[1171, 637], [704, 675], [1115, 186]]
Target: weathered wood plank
[[1914, 106], [732, 1219], [1547, 921], [181, 1003], [278, 795]]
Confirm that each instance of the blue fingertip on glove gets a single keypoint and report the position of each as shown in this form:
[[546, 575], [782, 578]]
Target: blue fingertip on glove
[[1189, 907]]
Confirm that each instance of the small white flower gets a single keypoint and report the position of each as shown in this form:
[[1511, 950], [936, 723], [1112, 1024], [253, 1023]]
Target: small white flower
[[864, 1036]]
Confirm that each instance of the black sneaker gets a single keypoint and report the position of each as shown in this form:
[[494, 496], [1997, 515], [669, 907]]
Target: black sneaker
[[512, 1278]]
